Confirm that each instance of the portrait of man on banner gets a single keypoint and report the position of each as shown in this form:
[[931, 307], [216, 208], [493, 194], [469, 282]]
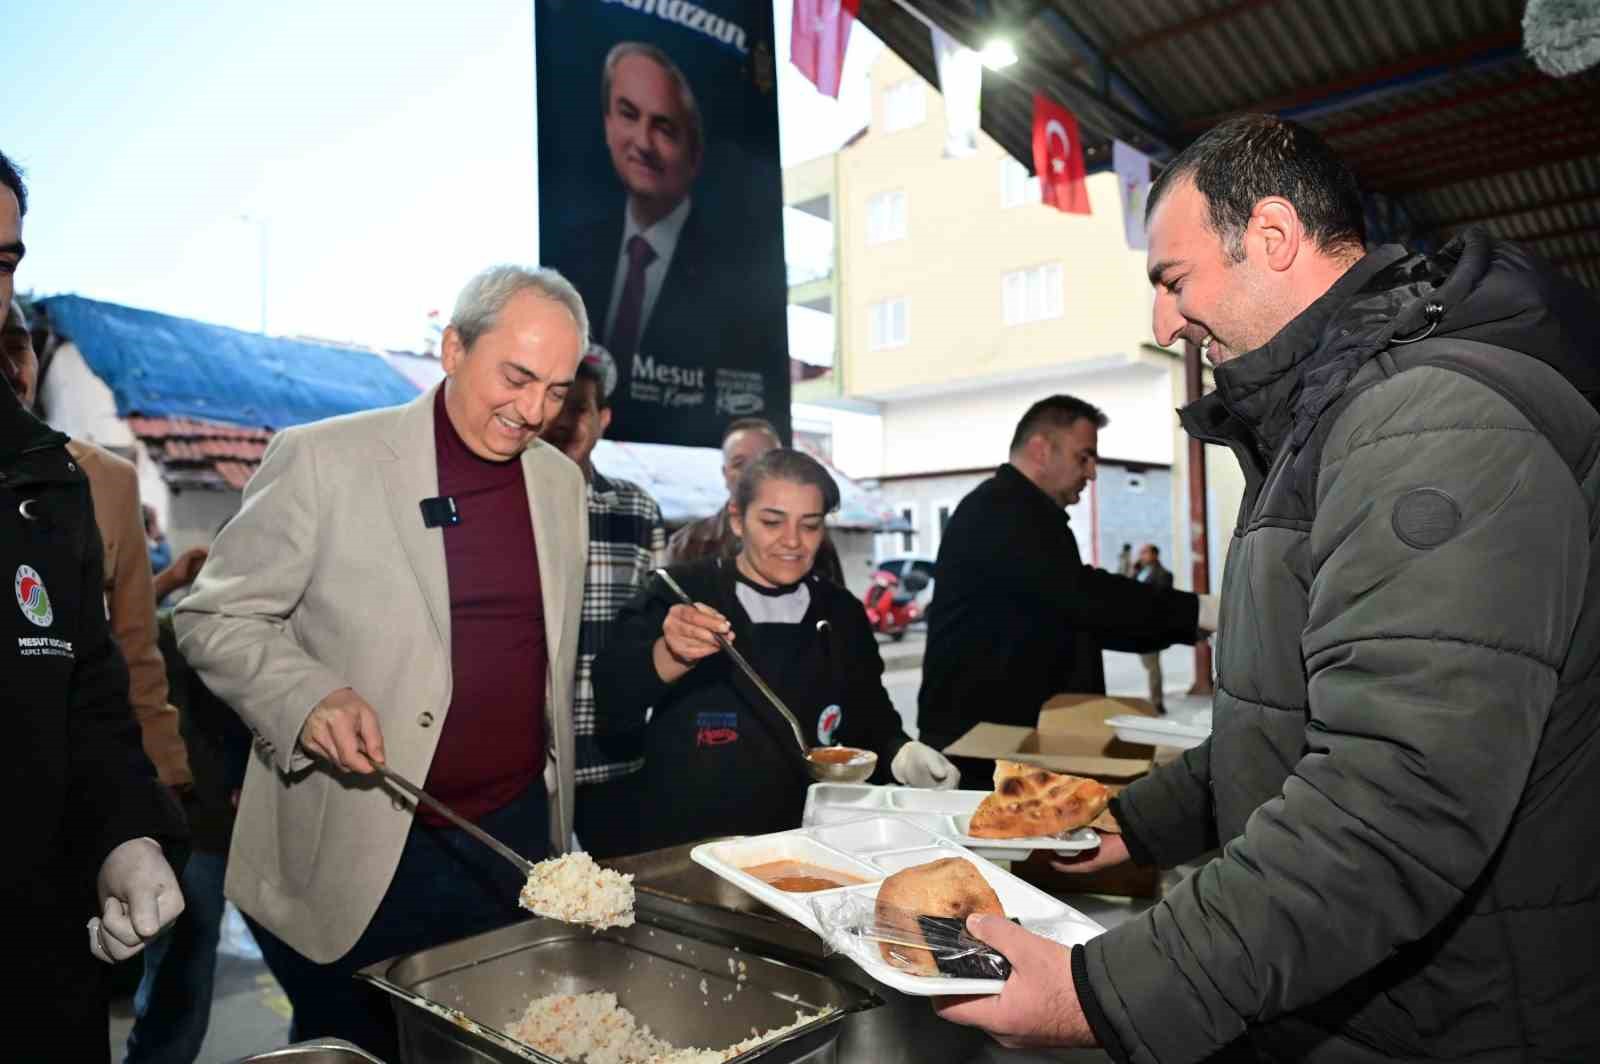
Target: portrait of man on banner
[[672, 229]]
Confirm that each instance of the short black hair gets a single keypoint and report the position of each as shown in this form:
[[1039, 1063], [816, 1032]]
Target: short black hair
[[1155, 551], [1055, 412], [11, 177], [592, 374], [750, 424], [1240, 162], [785, 463]]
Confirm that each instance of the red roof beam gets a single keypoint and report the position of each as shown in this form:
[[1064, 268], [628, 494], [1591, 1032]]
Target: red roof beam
[[1495, 213], [1494, 168], [1532, 145], [1487, 46], [1186, 28], [1448, 103], [1477, 127]]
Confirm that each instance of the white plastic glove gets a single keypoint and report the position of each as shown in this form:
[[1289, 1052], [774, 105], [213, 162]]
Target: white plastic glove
[[1210, 607], [920, 765], [139, 899]]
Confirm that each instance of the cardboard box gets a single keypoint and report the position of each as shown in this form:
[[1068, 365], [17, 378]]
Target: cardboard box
[[1071, 736]]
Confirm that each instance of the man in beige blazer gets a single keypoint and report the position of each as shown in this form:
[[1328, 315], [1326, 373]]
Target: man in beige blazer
[[373, 603]]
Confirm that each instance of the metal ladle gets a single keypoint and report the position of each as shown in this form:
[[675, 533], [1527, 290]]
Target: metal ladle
[[522, 863], [824, 772]]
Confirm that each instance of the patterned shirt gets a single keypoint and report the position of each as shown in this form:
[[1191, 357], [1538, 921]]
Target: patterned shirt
[[626, 542]]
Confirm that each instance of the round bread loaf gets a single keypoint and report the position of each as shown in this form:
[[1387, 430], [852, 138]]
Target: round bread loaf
[[952, 888]]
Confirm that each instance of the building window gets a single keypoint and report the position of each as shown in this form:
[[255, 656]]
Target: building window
[[1032, 295], [891, 324], [904, 105], [944, 520], [910, 533], [1017, 187], [886, 217]]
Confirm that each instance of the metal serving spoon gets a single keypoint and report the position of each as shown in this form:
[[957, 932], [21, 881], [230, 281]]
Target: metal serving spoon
[[853, 772], [522, 863]]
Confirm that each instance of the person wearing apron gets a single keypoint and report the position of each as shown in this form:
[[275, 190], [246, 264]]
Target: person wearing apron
[[719, 759]]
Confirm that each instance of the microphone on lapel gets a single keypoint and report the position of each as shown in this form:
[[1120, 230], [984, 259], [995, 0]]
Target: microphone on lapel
[[440, 512]]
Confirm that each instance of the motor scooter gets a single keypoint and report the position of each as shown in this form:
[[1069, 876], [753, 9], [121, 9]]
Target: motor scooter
[[891, 609]]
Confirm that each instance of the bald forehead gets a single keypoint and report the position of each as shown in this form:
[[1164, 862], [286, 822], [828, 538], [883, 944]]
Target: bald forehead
[[746, 440]]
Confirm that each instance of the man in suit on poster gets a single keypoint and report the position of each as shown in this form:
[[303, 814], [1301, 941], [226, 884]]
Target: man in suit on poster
[[661, 278]]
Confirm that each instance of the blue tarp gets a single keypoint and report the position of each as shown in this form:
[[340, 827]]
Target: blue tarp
[[161, 366]]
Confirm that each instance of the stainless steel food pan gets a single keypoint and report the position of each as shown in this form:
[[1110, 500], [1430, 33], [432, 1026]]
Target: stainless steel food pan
[[318, 1051], [453, 1001]]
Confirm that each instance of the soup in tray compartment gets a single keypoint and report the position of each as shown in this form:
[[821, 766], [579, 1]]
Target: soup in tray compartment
[[801, 877]]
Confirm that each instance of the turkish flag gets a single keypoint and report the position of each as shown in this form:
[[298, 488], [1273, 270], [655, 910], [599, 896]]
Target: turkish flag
[[1058, 156], [817, 38]]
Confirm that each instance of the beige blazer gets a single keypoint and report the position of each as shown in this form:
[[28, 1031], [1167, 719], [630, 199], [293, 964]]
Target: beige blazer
[[325, 579]]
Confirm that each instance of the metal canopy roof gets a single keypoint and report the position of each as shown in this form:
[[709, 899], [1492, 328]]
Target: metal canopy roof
[[1435, 105]]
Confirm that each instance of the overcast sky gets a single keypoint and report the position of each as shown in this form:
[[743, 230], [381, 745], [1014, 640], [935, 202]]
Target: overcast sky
[[382, 153]]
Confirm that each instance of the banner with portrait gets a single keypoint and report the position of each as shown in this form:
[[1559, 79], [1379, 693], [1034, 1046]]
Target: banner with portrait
[[661, 198]]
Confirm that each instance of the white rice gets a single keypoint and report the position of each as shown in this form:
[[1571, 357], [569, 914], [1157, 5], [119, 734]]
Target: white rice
[[575, 890], [594, 1029]]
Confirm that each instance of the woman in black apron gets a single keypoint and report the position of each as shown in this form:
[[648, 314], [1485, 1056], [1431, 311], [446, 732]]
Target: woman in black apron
[[718, 758]]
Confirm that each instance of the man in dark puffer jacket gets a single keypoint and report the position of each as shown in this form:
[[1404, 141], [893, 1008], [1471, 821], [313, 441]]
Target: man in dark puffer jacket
[[1405, 767]]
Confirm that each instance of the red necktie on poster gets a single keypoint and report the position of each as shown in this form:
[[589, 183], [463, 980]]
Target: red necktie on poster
[[624, 339], [1058, 156], [818, 33]]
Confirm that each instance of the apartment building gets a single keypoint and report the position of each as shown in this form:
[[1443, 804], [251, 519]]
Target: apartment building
[[956, 299]]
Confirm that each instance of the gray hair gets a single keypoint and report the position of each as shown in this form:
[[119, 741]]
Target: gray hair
[[486, 295], [691, 106]]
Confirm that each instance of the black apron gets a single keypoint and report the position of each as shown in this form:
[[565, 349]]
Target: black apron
[[719, 759]]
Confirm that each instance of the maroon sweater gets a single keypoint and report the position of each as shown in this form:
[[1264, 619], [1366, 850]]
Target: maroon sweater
[[492, 746]]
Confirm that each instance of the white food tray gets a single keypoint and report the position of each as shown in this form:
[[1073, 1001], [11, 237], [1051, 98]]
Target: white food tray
[[872, 848], [1179, 732], [945, 813]]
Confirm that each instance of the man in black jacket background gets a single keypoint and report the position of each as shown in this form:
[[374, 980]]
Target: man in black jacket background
[[89, 816], [1017, 617]]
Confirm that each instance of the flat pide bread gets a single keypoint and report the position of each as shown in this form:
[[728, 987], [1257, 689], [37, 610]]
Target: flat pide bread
[[1029, 802], [950, 888]]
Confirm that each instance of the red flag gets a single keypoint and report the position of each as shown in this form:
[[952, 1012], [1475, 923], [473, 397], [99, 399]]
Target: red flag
[[817, 38], [1058, 156]]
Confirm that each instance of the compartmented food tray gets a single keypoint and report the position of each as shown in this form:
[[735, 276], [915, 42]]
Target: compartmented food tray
[[945, 813], [1182, 732], [871, 848]]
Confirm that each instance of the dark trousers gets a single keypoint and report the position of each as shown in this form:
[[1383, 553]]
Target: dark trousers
[[172, 1007], [606, 818], [447, 886]]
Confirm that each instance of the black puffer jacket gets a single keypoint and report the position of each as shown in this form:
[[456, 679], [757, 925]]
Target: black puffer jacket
[[1404, 773]]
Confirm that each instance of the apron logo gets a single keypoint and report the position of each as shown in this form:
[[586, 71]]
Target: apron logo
[[829, 723], [716, 729], [32, 597]]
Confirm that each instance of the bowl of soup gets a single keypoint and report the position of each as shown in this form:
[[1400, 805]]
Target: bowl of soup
[[840, 764]]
